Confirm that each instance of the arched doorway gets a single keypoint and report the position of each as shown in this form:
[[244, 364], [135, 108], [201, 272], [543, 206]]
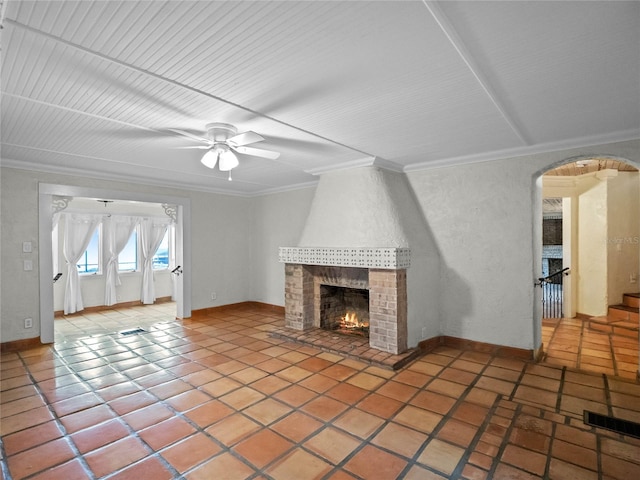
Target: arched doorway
[[46, 195], [597, 208]]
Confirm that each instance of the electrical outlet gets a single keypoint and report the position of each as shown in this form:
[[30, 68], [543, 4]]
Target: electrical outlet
[[214, 295], [28, 322], [424, 332]]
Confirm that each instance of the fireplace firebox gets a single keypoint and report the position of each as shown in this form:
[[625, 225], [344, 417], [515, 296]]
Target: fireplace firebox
[[344, 310]]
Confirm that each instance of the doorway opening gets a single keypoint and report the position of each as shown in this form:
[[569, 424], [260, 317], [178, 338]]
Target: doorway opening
[[51, 196]]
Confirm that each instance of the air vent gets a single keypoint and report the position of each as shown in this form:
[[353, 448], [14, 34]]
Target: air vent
[[134, 331], [624, 427]]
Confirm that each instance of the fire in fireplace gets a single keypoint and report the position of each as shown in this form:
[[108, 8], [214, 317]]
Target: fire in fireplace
[[350, 324], [344, 310]]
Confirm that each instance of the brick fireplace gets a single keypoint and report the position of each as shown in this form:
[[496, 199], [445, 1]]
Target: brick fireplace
[[380, 271]]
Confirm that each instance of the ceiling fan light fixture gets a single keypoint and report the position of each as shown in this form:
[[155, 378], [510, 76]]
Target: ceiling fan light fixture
[[228, 161], [210, 158], [224, 142]]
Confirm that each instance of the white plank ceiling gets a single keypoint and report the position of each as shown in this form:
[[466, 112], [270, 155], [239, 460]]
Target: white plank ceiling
[[94, 87]]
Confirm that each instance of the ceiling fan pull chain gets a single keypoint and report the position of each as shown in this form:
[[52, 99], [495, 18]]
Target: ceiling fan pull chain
[[229, 175]]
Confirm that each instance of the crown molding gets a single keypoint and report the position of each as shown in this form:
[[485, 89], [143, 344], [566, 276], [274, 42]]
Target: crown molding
[[363, 162], [623, 136]]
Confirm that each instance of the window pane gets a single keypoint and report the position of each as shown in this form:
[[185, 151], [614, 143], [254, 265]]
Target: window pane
[[128, 258], [90, 260], [161, 258]]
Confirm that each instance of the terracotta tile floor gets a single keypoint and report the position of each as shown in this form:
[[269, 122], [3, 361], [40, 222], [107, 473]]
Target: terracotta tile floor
[[574, 343], [218, 397]]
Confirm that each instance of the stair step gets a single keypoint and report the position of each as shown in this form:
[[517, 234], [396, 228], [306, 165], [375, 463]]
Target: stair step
[[631, 300], [614, 326], [624, 312]]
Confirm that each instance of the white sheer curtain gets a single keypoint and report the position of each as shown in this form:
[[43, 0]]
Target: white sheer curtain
[[116, 232], [152, 231], [78, 230]]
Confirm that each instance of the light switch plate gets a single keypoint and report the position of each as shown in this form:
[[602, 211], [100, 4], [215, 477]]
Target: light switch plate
[[28, 265]]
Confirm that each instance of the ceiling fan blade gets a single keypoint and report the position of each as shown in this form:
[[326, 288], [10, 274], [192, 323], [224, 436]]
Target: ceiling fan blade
[[257, 152], [190, 135], [244, 139], [199, 147]]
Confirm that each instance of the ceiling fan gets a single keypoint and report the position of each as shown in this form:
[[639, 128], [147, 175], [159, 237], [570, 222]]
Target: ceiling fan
[[222, 141]]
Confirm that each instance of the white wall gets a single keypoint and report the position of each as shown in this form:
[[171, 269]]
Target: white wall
[[220, 247], [592, 246], [355, 208], [480, 216], [277, 221], [623, 235], [485, 220]]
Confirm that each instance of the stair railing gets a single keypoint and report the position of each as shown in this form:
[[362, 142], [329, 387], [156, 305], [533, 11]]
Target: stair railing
[[552, 295]]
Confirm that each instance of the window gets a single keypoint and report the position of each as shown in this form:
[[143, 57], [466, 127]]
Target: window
[[89, 263], [128, 258], [161, 258]]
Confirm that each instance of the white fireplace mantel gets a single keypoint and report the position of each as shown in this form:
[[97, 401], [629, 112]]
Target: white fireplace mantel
[[383, 258]]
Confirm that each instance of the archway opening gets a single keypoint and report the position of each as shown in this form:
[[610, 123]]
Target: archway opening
[[593, 261]]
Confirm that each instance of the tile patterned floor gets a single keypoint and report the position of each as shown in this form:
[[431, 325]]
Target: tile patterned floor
[[218, 397], [574, 342]]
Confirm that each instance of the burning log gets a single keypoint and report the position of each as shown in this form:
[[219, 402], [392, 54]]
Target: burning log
[[351, 324]]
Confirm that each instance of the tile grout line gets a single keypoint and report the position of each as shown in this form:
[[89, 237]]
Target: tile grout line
[[547, 465], [367, 442], [448, 416], [607, 395], [132, 432], [504, 443], [613, 354], [59, 423], [580, 342], [558, 405], [476, 439]]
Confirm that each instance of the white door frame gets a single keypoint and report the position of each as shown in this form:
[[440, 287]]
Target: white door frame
[[47, 191]]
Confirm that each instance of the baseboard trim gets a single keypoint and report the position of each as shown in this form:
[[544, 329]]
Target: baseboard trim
[[266, 307], [18, 345], [101, 308], [490, 348], [430, 344]]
